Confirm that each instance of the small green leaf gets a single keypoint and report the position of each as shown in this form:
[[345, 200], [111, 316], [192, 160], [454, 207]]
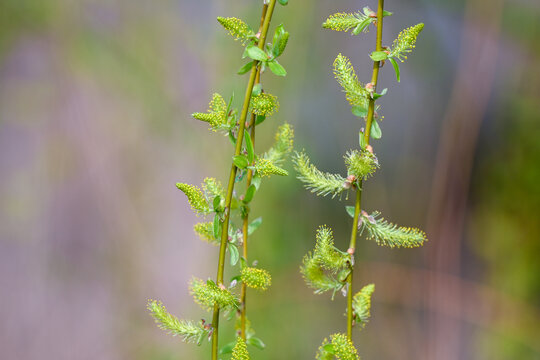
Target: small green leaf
[[217, 227], [256, 90], [232, 138], [376, 132], [378, 56], [244, 69], [276, 68], [283, 2], [361, 140], [255, 53], [227, 349], [396, 67], [241, 161], [217, 203], [375, 96], [249, 147], [359, 111], [250, 192], [279, 41], [259, 119], [387, 13], [350, 210], [254, 225], [235, 255], [362, 26], [255, 341], [256, 181]]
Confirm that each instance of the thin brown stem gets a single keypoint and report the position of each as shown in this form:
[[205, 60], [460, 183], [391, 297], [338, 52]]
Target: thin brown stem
[[357, 206], [232, 176]]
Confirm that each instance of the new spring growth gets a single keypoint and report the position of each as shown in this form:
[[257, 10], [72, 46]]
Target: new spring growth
[[196, 198], [187, 330], [388, 234], [237, 28], [206, 232], [240, 351], [327, 267], [256, 278], [358, 21], [216, 115], [355, 92], [405, 42], [339, 347], [208, 294], [264, 104], [362, 304]]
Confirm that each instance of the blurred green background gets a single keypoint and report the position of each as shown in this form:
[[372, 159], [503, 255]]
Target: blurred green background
[[95, 98]]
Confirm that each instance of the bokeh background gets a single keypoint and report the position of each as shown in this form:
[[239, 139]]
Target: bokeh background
[[95, 97]]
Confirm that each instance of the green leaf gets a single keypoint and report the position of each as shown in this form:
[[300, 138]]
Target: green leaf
[[256, 181], [359, 111], [283, 2], [255, 341], [350, 210], [235, 255], [396, 67], [259, 119], [254, 225], [362, 26], [217, 204], [376, 132], [249, 147], [256, 90], [255, 53], [217, 227], [375, 96], [241, 161], [361, 140], [276, 68], [387, 13], [244, 69], [279, 41], [250, 192], [378, 56], [227, 349]]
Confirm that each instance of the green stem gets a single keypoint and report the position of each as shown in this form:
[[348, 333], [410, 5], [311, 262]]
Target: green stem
[[357, 206], [232, 176], [243, 292]]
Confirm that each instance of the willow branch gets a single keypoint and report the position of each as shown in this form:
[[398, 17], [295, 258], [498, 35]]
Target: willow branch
[[357, 206], [232, 176], [245, 224]]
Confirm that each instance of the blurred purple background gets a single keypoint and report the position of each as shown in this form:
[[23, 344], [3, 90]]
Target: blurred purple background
[[95, 129]]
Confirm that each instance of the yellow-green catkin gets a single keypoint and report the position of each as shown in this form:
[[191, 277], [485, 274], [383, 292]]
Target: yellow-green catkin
[[344, 348], [265, 167], [217, 113], [405, 42], [205, 231], [256, 278], [237, 28], [345, 75], [362, 304], [207, 294], [195, 197], [264, 104], [240, 351], [343, 21]]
